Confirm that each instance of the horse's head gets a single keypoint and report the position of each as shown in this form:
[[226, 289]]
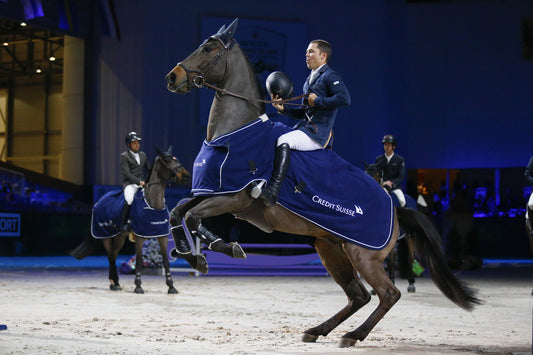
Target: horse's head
[[208, 63], [373, 171], [171, 167]]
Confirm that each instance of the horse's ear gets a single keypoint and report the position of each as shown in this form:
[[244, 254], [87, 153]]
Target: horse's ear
[[227, 35], [169, 150], [159, 152], [221, 30], [366, 164]]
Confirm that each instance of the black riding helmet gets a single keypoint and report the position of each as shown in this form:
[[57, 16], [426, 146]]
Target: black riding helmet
[[279, 84], [132, 136], [389, 138]]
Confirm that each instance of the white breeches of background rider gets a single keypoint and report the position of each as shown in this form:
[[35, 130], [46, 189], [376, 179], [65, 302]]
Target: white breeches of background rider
[[529, 205], [129, 193], [400, 195], [298, 140]]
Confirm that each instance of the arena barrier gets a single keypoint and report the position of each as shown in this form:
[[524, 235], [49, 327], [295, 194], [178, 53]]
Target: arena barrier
[[256, 264]]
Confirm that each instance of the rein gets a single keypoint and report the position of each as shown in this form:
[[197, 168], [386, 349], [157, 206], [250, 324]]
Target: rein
[[248, 98]]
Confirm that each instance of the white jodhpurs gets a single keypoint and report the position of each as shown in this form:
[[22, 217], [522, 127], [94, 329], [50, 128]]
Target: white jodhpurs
[[401, 197], [129, 193], [529, 205], [298, 140]]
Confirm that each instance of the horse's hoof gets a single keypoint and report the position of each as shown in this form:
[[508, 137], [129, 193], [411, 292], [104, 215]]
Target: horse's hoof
[[238, 252], [309, 338], [201, 264], [115, 287], [346, 343], [172, 291], [411, 288], [138, 290]]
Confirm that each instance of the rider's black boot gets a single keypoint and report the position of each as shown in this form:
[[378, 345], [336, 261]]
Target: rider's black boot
[[124, 225], [281, 165]]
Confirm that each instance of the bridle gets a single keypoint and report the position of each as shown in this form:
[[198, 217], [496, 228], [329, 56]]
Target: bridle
[[196, 78], [177, 170]]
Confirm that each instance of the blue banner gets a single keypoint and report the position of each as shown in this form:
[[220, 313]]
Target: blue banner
[[9, 225]]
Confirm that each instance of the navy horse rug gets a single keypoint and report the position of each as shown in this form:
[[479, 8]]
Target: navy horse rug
[[320, 186], [146, 222]]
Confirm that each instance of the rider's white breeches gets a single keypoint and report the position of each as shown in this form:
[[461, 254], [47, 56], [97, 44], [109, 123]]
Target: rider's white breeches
[[529, 205], [400, 195], [129, 193], [298, 140]]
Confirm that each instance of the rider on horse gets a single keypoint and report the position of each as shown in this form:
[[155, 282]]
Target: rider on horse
[[135, 168], [392, 168], [325, 93]]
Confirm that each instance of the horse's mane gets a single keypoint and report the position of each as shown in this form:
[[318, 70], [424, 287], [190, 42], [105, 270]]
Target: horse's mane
[[257, 81]]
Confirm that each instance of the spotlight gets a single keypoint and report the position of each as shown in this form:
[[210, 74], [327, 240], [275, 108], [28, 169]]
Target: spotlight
[[23, 24], [38, 70], [52, 58], [5, 44]]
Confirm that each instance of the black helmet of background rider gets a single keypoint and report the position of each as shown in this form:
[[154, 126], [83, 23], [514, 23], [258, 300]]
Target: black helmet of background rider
[[389, 138], [130, 137]]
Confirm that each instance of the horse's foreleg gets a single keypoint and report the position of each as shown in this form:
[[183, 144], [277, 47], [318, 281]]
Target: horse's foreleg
[[215, 206], [183, 249], [342, 271], [215, 243], [370, 267], [138, 264], [163, 243]]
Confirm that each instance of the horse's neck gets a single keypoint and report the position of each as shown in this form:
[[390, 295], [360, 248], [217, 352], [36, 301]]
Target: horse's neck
[[154, 191], [229, 113]]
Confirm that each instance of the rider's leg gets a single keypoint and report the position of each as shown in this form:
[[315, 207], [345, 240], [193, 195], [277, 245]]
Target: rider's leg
[[129, 194], [296, 140], [529, 214], [400, 195]]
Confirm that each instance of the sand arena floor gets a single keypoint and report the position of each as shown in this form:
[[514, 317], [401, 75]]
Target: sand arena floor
[[64, 311]]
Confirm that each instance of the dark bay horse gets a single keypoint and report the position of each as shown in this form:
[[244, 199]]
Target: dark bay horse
[[165, 168], [219, 63]]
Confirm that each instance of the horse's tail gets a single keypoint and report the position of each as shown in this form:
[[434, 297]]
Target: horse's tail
[[427, 244], [86, 248]]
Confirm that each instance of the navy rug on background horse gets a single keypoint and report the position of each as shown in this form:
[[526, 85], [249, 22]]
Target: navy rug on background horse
[[146, 222]]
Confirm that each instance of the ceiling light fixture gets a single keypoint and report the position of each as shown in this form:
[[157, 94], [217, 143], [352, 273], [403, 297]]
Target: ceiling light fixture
[[23, 24], [5, 44], [52, 58], [38, 70]]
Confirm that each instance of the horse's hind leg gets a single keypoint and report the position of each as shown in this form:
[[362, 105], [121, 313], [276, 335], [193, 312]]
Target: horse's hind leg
[[163, 243], [370, 266], [112, 247], [342, 271], [405, 262], [138, 264]]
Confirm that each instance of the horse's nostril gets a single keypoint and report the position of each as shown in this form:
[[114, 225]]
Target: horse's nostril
[[171, 78]]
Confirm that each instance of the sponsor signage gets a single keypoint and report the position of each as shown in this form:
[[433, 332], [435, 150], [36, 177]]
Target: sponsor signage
[[9, 224]]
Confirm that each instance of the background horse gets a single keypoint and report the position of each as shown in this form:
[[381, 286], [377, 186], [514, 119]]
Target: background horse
[[165, 168], [219, 63], [402, 255]]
